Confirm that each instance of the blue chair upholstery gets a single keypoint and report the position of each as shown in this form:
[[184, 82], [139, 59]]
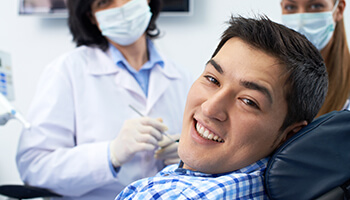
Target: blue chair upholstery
[[314, 163]]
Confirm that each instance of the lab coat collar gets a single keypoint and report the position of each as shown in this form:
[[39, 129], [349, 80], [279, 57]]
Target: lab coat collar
[[102, 63], [168, 69], [160, 77], [160, 80]]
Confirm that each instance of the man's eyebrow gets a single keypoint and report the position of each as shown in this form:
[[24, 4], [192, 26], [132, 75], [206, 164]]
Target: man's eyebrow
[[255, 86], [216, 66]]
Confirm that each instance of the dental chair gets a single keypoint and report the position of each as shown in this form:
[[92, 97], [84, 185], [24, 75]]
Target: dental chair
[[314, 163], [25, 192]]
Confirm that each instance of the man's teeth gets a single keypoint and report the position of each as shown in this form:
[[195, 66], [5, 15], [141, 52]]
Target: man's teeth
[[205, 133]]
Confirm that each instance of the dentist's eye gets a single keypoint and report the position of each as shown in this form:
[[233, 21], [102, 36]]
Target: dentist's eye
[[212, 80], [250, 103], [101, 3], [289, 8], [316, 7]]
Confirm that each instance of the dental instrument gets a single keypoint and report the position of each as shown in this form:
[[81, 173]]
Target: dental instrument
[[138, 112], [10, 112]]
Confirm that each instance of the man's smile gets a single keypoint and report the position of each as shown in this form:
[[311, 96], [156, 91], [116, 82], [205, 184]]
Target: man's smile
[[207, 134]]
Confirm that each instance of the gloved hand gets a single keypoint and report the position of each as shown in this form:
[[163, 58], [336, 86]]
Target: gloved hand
[[168, 150], [136, 135]]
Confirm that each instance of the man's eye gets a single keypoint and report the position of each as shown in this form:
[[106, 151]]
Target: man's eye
[[250, 103], [212, 80]]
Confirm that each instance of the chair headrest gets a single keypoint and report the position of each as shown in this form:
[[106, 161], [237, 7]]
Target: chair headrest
[[312, 162]]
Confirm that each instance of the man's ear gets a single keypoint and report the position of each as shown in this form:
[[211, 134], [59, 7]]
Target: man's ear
[[292, 130]]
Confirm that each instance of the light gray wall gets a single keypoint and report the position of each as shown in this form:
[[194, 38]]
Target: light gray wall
[[33, 42]]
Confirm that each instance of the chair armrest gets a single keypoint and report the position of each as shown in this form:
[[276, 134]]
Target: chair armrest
[[25, 192]]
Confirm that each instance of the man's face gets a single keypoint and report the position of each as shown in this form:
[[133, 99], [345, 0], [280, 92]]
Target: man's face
[[234, 111]]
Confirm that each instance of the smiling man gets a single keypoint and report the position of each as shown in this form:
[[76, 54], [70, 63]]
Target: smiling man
[[263, 84]]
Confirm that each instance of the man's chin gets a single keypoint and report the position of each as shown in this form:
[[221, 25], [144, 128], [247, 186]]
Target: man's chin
[[190, 164]]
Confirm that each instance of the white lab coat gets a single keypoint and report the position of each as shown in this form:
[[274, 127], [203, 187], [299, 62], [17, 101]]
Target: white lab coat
[[81, 104]]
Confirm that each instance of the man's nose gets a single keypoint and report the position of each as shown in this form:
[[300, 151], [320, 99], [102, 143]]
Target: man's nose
[[216, 106]]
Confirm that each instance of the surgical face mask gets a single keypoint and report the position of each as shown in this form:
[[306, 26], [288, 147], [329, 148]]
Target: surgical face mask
[[317, 27], [124, 25]]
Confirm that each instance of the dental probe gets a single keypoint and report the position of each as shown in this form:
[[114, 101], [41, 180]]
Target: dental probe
[[138, 112]]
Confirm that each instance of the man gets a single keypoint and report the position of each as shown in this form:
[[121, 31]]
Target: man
[[263, 84]]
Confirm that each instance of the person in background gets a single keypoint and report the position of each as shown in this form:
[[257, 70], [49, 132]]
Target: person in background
[[263, 83], [322, 22], [85, 141]]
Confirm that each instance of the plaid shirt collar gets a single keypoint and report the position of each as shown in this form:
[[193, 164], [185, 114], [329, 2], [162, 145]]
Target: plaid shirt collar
[[259, 165], [181, 184]]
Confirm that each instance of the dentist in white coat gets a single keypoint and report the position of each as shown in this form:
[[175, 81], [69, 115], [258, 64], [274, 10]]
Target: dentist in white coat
[[85, 141]]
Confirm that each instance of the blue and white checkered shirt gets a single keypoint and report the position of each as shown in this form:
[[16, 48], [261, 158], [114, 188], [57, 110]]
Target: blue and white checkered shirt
[[177, 183]]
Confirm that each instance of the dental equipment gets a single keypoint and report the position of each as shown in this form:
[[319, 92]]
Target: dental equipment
[[10, 112]]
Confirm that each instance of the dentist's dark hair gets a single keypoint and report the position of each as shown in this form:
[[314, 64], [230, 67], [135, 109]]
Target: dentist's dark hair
[[305, 72], [85, 32]]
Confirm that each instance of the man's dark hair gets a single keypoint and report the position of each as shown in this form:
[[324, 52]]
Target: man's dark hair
[[306, 75], [86, 33]]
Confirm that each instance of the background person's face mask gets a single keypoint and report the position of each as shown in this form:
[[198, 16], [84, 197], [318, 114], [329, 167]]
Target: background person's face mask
[[124, 25], [317, 27]]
